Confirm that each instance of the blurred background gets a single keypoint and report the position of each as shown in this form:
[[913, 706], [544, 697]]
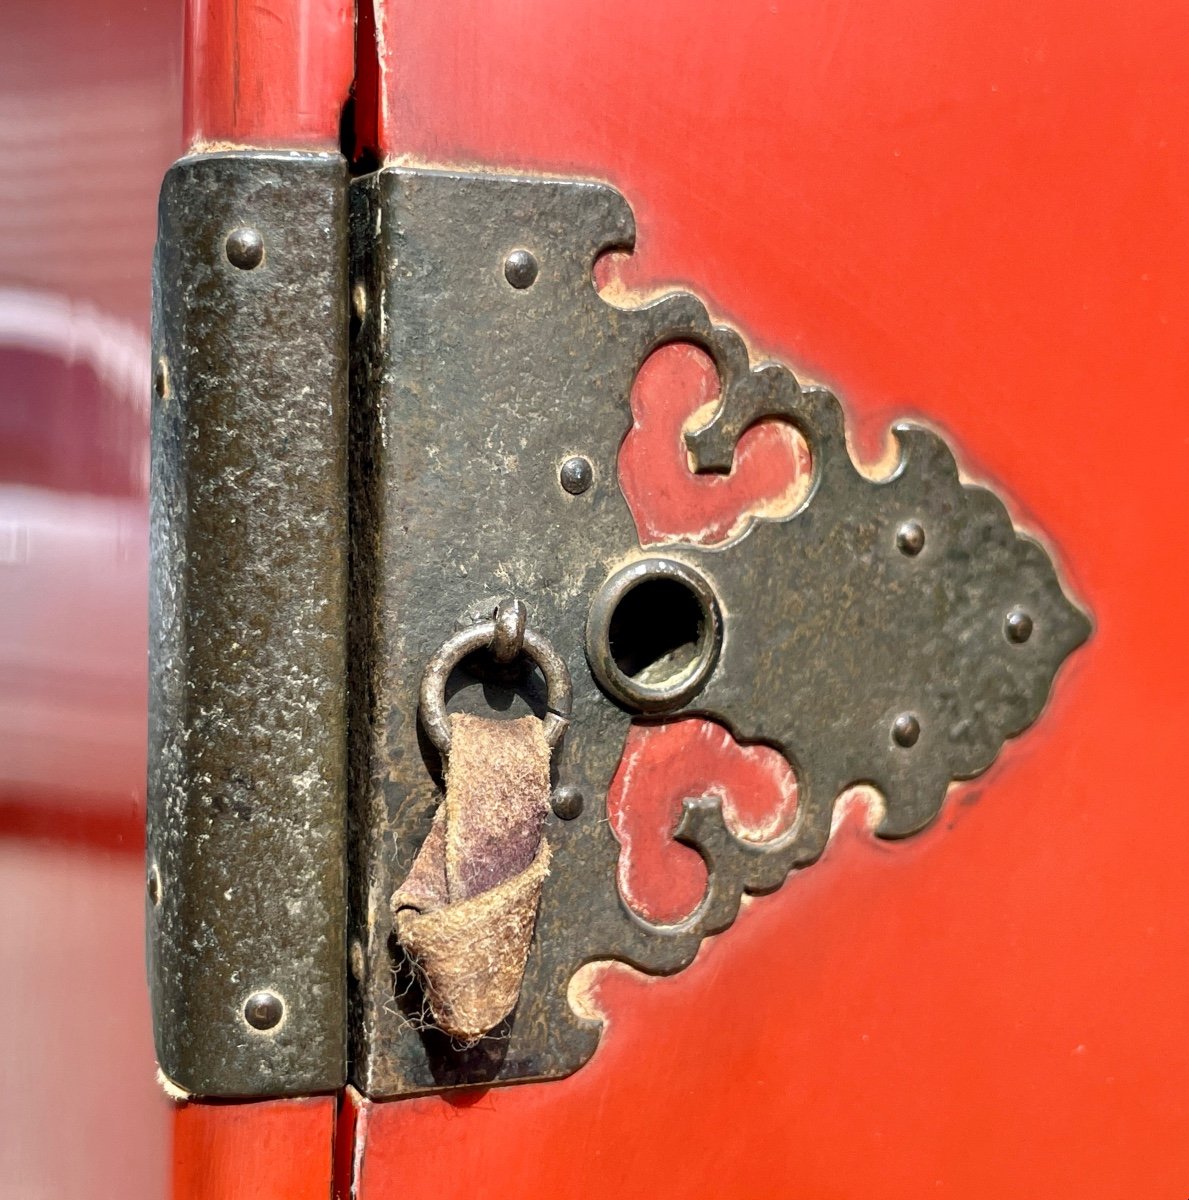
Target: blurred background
[[90, 117]]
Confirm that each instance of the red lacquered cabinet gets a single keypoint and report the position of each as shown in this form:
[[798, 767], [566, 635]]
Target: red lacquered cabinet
[[968, 216]]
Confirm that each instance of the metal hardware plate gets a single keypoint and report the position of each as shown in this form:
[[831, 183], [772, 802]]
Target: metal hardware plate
[[247, 737], [891, 632]]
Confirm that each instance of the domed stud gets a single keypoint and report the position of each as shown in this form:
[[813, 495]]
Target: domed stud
[[906, 729], [1018, 626], [520, 269], [910, 538], [245, 248], [263, 1010]]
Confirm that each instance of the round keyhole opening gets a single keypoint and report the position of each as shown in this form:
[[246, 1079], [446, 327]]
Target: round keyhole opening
[[654, 634]]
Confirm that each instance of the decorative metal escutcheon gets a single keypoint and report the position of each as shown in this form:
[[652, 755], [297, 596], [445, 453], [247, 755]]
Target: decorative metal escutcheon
[[890, 632]]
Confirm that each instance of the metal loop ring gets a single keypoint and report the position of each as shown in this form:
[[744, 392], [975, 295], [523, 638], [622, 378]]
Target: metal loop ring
[[481, 636]]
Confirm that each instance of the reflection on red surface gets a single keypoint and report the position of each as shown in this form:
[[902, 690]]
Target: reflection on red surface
[[262, 73], [74, 415], [89, 120], [73, 590]]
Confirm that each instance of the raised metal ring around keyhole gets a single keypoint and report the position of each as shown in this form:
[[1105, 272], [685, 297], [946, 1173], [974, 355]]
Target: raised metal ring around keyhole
[[653, 634]]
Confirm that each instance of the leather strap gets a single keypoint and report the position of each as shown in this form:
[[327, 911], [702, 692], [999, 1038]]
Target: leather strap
[[465, 912]]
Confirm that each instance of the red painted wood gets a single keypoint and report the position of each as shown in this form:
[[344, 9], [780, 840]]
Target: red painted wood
[[661, 766], [973, 213], [271, 1150], [267, 73]]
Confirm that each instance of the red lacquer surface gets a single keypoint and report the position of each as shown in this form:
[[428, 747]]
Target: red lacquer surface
[[267, 73], [272, 1150], [661, 766], [972, 214], [676, 388]]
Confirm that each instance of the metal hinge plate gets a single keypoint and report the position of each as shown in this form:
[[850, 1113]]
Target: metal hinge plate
[[889, 632], [247, 735]]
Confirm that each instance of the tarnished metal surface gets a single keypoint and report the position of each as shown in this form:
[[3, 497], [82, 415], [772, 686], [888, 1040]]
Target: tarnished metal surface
[[247, 745], [876, 635]]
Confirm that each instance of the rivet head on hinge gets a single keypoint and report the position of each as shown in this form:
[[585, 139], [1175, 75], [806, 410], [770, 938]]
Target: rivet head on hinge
[[910, 538], [1018, 626], [906, 730], [567, 802], [263, 1010], [576, 475], [245, 249]]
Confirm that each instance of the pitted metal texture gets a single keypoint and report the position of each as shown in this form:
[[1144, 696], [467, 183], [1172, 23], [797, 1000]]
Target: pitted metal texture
[[247, 735]]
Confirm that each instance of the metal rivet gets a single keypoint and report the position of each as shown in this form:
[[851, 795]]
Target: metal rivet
[[520, 269], [576, 475], [1018, 626], [245, 248], [153, 887], [910, 538], [568, 801], [263, 1010], [161, 379], [905, 730]]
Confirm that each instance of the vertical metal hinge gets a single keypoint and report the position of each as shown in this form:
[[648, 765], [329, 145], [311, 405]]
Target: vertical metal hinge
[[247, 728]]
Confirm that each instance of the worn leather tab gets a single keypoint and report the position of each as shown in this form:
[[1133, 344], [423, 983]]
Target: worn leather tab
[[466, 910]]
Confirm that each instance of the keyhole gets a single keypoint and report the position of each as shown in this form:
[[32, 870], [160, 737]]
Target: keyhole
[[654, 633], [657, 632]]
